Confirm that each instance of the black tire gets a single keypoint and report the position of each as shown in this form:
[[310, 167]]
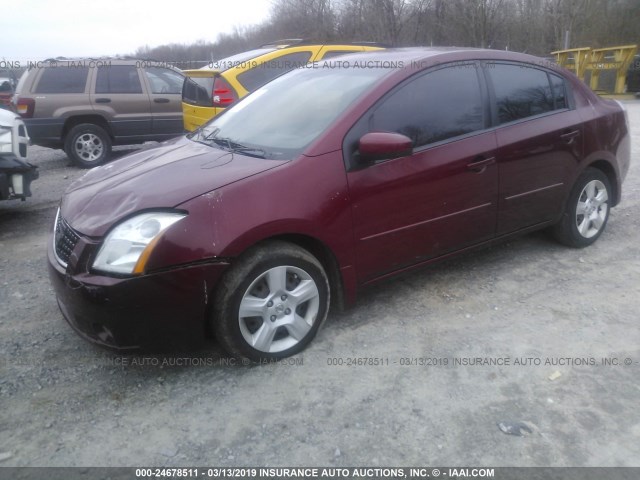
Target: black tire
[[87, 145], [591, 191], [279, 318]]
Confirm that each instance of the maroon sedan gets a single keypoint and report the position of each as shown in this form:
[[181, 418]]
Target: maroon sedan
[[327, 179]]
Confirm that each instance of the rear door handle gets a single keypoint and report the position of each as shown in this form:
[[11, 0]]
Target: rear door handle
[[161, 100], [569, 137], [480, 164], [103, 100]]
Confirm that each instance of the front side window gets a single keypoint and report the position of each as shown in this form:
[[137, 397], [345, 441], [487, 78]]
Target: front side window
[[63, 79], [118, 79], [256, 77], [520, 91], [440, 105]]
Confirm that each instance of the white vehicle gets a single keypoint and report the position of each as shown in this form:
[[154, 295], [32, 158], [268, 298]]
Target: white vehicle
[[16, 174]]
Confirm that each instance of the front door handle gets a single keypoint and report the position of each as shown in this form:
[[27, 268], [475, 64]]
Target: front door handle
[[103, 100], [569, 137], [161, 100], [480, 164]]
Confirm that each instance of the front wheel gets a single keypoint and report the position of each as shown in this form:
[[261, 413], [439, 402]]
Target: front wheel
[[271, 303], [87, 145], [587, 210]]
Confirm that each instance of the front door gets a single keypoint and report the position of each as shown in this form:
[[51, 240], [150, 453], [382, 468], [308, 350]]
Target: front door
[[441, 198]]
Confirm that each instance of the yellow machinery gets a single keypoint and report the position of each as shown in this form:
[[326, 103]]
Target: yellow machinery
[[583, 60]]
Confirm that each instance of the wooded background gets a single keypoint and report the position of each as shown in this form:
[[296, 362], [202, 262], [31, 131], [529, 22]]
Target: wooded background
[[532, 26]]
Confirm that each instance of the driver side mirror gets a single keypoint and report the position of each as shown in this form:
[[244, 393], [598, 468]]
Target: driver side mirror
[[376, 146]]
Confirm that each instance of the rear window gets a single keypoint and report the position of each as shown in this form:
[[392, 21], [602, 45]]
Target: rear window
[[63, 79], [337, 53], [238, 60], [262, 74], [198, 91]]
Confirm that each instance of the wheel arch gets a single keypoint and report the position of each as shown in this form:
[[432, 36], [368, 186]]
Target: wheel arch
[[315, 247], [79, 119], [608, 169], [326, 257]]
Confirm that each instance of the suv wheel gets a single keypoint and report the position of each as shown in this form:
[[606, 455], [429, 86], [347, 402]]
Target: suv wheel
[[87, 145]]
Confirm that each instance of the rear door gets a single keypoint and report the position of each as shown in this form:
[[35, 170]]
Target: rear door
[[540, 140], [165, 91], [119, 96], [441, 198]]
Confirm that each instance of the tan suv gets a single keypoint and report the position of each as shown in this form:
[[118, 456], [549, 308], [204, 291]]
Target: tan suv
[[86, 106]]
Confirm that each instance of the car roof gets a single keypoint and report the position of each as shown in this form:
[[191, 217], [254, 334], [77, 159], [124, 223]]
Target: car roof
[[441, 54], [298, 42]]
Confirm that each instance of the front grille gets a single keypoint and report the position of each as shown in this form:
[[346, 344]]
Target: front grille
[[64, 240]]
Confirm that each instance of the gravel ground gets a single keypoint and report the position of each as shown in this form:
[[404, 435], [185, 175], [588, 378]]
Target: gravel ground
[[553, 312]]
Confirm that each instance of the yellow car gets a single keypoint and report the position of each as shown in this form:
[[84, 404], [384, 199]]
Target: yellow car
[[209, 90]]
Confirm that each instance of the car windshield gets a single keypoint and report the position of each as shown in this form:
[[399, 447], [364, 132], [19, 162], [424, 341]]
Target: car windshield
[[236, 60], [283, 117]]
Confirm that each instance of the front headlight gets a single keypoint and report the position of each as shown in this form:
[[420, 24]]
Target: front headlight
[[128, 246]]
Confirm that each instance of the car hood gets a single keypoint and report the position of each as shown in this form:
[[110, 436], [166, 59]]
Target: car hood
[[160, 177]]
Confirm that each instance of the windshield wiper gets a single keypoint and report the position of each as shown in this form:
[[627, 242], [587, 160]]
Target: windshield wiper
[[252, 152], [235, 147]]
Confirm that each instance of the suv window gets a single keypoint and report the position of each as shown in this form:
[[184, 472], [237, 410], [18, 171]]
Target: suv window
[[118, 79], [164, 80], [521, 91], [256, 77], [62, 79], [442, 104]]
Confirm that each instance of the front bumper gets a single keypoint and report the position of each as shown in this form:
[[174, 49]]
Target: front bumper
[[162, 310], [16, 176]]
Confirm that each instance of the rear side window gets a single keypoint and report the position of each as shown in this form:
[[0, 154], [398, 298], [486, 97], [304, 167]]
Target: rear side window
[[164, 80], [437, 106], [118, 79], [559, 92], [256, 77], [521, 92], [63, 79]]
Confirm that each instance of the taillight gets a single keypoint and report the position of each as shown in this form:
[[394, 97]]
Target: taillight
[[223, 94], [25, 107]]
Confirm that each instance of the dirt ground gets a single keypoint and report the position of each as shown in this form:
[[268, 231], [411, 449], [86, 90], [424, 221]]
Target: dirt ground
[[563, 325]]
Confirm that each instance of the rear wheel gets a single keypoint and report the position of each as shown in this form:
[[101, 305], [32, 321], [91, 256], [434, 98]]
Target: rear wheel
[[271, 303], [587, 210], [87, 145]]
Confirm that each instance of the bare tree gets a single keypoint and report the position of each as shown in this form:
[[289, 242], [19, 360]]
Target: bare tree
[[534, 26]]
